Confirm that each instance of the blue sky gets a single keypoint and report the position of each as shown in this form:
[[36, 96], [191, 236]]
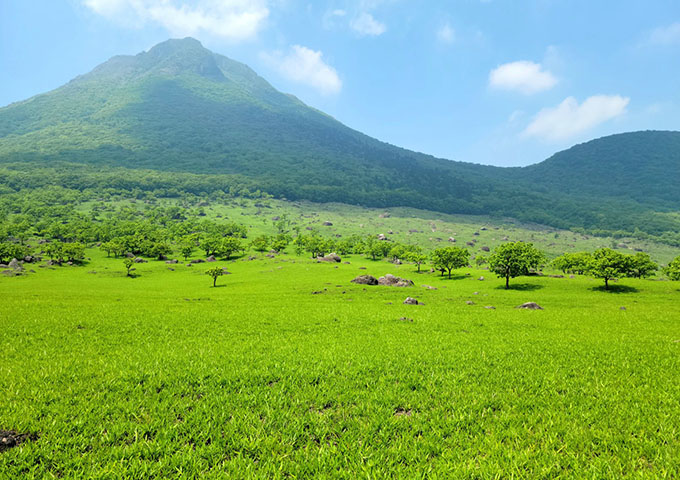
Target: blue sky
[[502, 82]]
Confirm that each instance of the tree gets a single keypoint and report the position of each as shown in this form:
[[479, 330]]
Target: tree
[[128, 262], [159, 250], [450, 258], [514, 259], [573, 262], [417, 258], [673, 269], [261, 243], [186, 248], [280, 242], [73, 251], [607, 264], [230, 245], [55, 250], [215, 273], [641, 265]]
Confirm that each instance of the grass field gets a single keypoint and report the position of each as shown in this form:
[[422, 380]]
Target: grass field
[[163, 376]]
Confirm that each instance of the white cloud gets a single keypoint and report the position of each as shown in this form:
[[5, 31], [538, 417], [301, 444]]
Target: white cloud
[[446, 34], [365, 24], [568, 119], [523, 76], [338, 13], [306, 66], [230, 19], [668, 35]]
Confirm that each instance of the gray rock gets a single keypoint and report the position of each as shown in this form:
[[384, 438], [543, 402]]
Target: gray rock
[[365, 280], [211, 258], [392, 281], [331, 257], [530, 306], [411, 301]]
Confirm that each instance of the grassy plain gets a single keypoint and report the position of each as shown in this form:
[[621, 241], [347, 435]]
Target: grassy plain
[[162, 376]]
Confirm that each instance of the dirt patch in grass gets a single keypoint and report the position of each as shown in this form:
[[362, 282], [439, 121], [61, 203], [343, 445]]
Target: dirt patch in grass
[[10, 438]]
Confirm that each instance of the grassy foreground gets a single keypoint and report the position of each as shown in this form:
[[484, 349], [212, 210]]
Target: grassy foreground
[[162, 376]]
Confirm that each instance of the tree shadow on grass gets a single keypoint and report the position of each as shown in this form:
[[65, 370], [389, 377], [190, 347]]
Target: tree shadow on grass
[[219, 286], [615, 289], [521, 287], [453, 277]]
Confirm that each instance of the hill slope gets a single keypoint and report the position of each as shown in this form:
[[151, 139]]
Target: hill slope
[[181, 108]]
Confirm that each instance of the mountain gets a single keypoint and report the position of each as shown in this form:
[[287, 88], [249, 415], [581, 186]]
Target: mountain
[[181, 108]]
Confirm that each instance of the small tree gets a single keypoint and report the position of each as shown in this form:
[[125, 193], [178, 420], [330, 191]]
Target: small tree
[[514, 259], [607, 264], [261, 243], [186, 249], [641, 265], [417, 258], [128, 262], [449, 258], [573, 262], [215, 273], [673, 269]]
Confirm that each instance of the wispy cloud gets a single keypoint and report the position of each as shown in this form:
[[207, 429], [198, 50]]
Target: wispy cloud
[[522, 76], [570, 118], [446, 34], [667, 35], [307, 67], [364, 24], [229, 19]]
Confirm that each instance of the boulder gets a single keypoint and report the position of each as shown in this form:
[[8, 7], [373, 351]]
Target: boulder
[[331, 257], [211, 258], [486, 249], [452, 240], [130, 255], [392, 281], [530, 306], [411, 301], [481, 279], [198, 260], [381, 236], [15, 265], [327, 224], [139, 260], [365, 280], [173, 261]]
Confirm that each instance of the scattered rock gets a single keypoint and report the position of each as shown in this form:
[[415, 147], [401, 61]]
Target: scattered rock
[[556, 276], [530, 306], [397, 261], [171, 262], [406, 319], [470, 302], [622, 308], [171, 269], [140, 260], [384, 215], [130, 255], [452, 240], [490, 307], [28, 258], [362, 268], [211, 258], [198, 260], [327, 224], [475, 293], [390, 232], [470, 244], [483, 229], [402, 412], [486, 249], [572, 276], [15, 265], [429, 287], [331, 257], [476, 234], [276, 218], [392, 281], [381, 236], [365, 280], [481, 279], [505, 239], [411, 301]]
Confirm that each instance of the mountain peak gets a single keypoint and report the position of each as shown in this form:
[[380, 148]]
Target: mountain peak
[[173, 46]]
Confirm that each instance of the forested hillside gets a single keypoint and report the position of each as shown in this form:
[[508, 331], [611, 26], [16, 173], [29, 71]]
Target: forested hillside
[[200, 118]]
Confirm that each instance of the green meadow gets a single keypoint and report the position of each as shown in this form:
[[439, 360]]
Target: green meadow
[[289, 370]]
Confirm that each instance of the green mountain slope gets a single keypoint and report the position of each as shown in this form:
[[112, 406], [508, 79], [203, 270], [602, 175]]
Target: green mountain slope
[[181, 108]]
